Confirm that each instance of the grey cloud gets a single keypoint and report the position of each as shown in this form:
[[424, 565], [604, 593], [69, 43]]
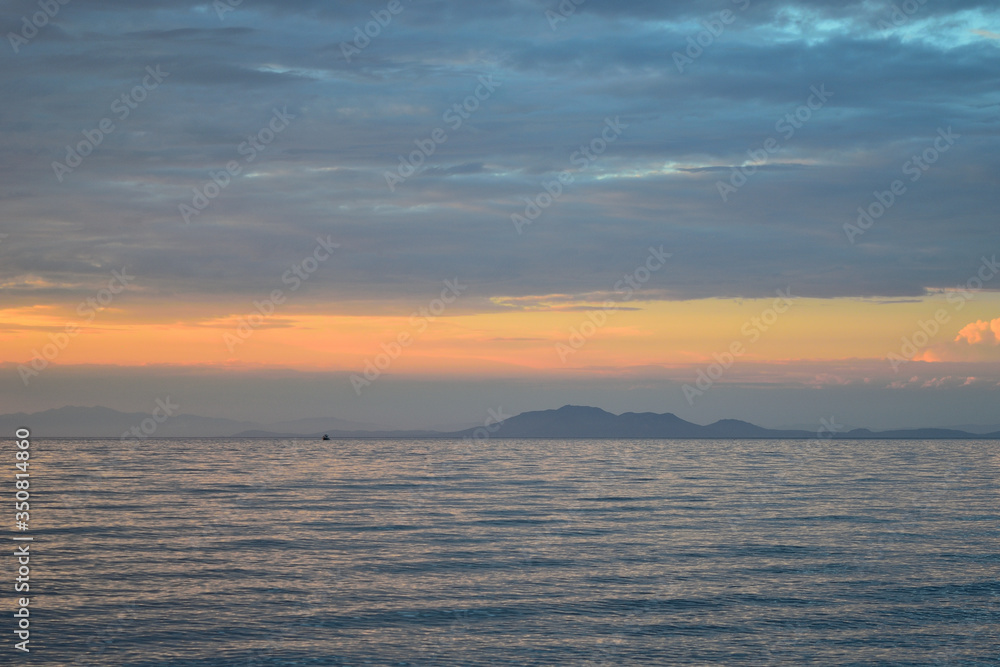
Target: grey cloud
[[656, 185]]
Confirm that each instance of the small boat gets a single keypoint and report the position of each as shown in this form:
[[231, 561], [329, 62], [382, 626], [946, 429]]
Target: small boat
[[326, 437]]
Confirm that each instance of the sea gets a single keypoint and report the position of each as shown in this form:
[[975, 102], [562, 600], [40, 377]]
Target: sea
[[510, 552]]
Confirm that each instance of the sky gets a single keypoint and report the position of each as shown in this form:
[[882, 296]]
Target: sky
[[410, 213]]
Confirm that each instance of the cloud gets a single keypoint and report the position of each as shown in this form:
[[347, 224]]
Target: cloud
[[657, 185], [980, 333], [564, 302], [903, 384], [945, 382], [977, 341], [827, 379]]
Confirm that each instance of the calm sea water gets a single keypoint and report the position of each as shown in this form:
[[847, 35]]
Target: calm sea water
[[510, 552]]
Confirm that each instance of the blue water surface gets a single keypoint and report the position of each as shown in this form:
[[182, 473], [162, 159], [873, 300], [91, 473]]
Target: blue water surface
[[513, 552]]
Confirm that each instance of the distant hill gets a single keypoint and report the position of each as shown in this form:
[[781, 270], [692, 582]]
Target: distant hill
[[573, 421], [977, 428], [570, 421]]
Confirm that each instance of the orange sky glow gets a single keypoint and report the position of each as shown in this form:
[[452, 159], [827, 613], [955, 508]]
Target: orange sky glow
[[561, 337]]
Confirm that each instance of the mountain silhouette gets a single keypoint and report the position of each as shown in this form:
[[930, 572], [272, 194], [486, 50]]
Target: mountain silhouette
[[574, 421], [569, 421]]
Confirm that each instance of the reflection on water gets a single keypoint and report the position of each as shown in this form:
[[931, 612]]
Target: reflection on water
[[282, 552]]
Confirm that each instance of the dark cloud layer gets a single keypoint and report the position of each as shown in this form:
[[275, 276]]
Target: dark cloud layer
[[893, 88]]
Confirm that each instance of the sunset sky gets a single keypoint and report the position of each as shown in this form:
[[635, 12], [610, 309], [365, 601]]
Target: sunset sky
[[407, 213]]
